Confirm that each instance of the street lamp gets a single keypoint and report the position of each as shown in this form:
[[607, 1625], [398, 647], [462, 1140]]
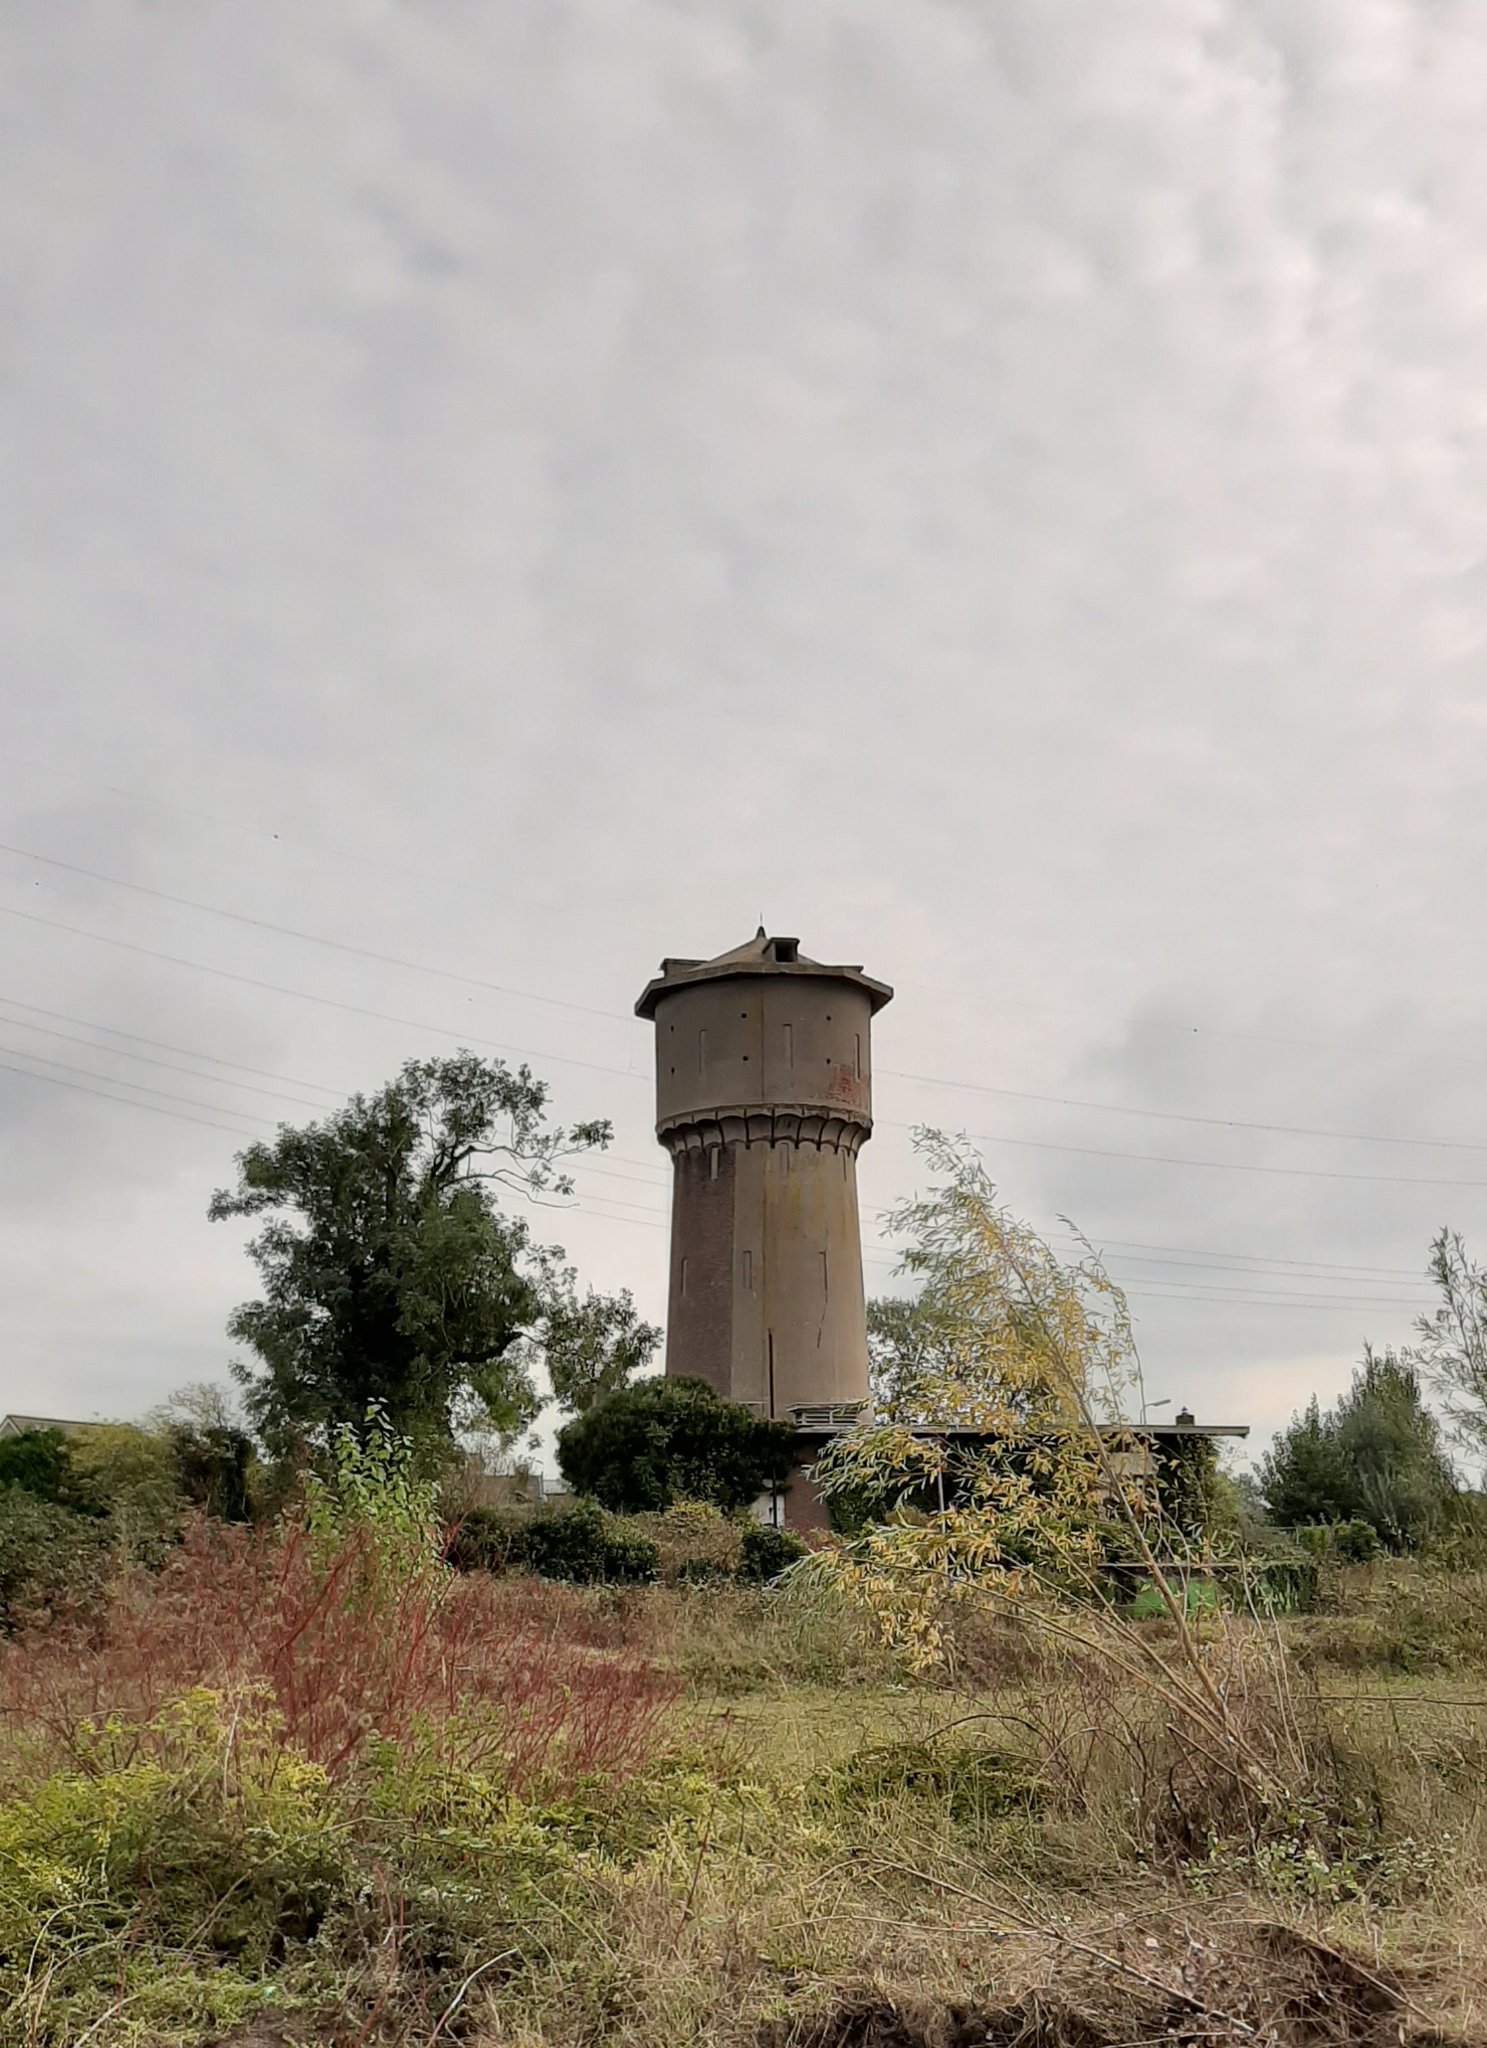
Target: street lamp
[[1148, 1405]]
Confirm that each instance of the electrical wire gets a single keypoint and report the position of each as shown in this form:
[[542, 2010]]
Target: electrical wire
[[625, 1073], [144, 1059], [471, 981], [165, 1095], [1226, 1123], [1403, 1180], [285, 931], [326, 1002], [1265, 1258], [208, 1058], [126, 1102], [283, 839], [1183, 1262]]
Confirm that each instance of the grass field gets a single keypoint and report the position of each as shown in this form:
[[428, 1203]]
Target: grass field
[[264, 1798]]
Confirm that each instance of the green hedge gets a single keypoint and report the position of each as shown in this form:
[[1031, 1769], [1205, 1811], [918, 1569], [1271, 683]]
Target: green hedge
[[588, 1546], [581, 1543], [765, 1553]]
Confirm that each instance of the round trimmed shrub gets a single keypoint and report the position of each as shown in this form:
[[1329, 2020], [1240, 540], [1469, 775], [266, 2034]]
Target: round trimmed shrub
[[586, 1546], [764, 1553]]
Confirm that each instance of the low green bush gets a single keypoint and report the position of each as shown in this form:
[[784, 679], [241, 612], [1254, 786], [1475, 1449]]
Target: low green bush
[[37, 1460], [1200, 1596], [1353, 1542], [972, 1782], [1288, 1585], [764, 1553], [581, 1544], [157, 1885], [585, 1545], [485, 1540], [50, 1558], [661, 1441], [701, 1571]]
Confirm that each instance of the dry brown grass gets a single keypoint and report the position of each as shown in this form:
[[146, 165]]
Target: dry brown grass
[[794, 1846]]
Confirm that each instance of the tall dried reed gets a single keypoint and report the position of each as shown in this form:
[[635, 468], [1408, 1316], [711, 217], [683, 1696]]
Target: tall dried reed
[[352, 1643]]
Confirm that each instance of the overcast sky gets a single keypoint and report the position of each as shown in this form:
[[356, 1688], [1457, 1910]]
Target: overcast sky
[[997, 489]]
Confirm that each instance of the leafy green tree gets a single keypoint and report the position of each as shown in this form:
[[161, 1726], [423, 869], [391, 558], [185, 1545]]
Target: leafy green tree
[[214, 1454], [1392, 1445], [1452, 1347], [1304, 1476], [1375, 1456], [593, 1345], [392, 1282], [663, 1440], [914, 1356]]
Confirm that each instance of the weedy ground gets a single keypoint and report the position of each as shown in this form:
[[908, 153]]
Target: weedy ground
[[270, 1796]]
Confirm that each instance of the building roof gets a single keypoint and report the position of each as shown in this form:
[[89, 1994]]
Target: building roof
[[18, 1425], [761, 954], [817, 1422]]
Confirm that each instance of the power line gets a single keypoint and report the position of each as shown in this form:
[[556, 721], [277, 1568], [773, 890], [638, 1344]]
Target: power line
[[442, 881], [144, 1059], [1259, 1301], [366, 860], [583, 1164], [1227, 1123], [1148, 1290], [313, 938], [610, 1212], [586, 1009], [1183, 1030], [625, 1073], [563, 1059], [1220, 1165], [1256, 1272], [303, 996], [195, 1101], [1264, 1258], [212, 1059], [655, 1180], [127, 1102], [633, 1213]]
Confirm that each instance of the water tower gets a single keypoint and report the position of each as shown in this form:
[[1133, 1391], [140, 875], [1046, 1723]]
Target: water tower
[[763, 1096]]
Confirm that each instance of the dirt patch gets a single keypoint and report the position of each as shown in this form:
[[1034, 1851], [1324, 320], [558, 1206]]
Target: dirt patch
[[1256, 1986], [267, 2033]]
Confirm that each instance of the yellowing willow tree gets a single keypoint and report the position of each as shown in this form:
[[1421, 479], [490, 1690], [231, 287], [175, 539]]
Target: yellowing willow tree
[[1029, 1352], [1030, 1355]]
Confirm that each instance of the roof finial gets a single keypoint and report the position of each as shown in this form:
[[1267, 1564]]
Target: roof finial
[[760, 933]]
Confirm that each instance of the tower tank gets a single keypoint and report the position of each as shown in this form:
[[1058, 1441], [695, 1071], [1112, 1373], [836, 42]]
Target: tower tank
[[763, 1097]]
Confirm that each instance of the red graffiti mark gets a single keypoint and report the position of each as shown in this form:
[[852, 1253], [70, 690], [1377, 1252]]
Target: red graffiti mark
[[845, 1087]]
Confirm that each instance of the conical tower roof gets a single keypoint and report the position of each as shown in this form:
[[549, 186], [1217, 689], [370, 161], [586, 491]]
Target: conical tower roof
[[762, 954]]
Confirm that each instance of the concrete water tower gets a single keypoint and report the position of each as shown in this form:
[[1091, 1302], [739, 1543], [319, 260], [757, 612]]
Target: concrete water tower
[[763, 1096]]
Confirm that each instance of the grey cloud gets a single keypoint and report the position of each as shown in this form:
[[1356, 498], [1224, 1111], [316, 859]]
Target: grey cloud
[[999, 491]]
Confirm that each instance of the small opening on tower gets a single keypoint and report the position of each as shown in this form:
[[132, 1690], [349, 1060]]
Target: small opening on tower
[[787, 950]]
